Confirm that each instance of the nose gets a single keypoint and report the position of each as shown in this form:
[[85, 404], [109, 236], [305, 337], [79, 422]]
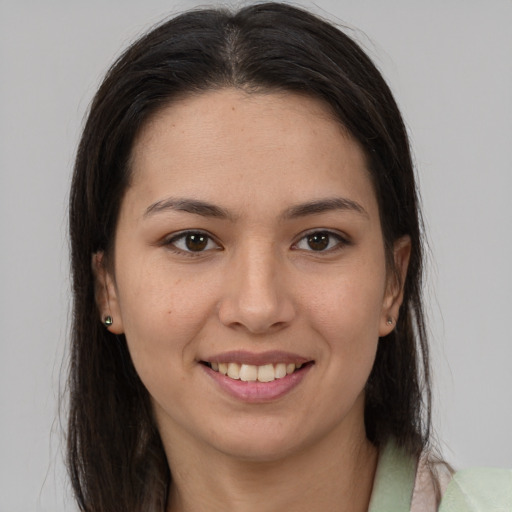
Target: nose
[[256, 297]]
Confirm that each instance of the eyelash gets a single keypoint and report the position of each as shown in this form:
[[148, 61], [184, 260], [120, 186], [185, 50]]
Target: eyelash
[[340, 241], [171, 243], [331, 236]]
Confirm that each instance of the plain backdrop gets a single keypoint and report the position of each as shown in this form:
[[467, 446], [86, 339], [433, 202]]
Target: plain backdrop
[[449, 63]]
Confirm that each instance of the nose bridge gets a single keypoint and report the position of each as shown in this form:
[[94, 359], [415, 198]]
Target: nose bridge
[[256, 297]]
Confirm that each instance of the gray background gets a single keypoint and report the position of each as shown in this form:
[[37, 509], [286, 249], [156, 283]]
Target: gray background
[[449, 64]]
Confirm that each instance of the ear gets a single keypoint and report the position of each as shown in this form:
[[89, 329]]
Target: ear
[[395, 286], [106, 294]]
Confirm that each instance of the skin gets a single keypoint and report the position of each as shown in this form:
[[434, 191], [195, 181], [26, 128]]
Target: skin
[[257, 286]]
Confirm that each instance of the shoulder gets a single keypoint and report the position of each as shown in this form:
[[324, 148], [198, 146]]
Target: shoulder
[[437, 488], [432, 478], [428, 484], [478, 490]]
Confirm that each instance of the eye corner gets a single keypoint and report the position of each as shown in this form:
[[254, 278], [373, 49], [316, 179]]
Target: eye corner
[[192, 243], [321, 241]]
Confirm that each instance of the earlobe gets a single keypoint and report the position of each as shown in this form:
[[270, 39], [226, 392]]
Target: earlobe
[[395, 286], [106, 295]]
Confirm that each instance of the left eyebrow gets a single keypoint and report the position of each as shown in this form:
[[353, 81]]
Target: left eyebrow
[[322, 206]]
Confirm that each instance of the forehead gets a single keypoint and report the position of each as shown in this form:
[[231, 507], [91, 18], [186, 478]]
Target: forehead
[[227, 144]]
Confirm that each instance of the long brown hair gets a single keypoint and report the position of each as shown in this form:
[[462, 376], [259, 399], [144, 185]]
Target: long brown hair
[[115, 456]]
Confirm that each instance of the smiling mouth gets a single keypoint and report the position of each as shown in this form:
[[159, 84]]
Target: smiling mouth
[[254, 373]]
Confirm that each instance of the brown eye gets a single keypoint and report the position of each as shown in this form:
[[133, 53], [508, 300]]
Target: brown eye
[[318, 241], [196, 242], [193, 242], [321, 241]]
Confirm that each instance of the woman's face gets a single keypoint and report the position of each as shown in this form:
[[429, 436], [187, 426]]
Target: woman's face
[[249, 241]]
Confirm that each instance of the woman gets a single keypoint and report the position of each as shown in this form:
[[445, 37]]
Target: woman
[[246, 250]]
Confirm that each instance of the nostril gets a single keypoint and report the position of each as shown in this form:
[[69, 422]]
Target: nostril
[[256, 307]]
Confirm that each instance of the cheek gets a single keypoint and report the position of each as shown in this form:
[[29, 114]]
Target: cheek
[[162, 314], [346, 314], [348, 302]]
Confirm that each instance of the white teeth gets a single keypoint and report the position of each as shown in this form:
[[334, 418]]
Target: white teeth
[[252, 373], [248, 373], [280, 370], [234, 371], [266, 373]]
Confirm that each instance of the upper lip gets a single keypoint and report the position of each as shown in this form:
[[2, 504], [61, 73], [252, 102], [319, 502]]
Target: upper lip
[[257, 359]]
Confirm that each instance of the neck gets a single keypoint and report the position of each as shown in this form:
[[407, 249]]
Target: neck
[[327, 476]]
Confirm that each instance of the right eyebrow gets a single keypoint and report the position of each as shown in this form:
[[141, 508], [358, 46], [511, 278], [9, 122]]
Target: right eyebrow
[[194, 206]]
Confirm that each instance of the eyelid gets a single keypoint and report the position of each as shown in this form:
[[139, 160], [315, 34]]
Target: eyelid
[[342, 240], [170, 242]]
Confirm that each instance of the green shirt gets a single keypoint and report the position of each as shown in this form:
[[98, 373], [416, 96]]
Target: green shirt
[[471, 490]]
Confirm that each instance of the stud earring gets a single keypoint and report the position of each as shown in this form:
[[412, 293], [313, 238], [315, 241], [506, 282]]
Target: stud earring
[[390, 320], [108, 321]]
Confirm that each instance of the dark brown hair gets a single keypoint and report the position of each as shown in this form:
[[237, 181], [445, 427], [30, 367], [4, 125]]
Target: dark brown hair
[[115, 456]]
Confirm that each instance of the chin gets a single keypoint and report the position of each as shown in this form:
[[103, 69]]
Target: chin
[[264, 440], [259, 450]]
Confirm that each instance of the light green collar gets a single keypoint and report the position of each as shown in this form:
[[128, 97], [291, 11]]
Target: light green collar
[[394, 481], [479, 489], [470, 490]]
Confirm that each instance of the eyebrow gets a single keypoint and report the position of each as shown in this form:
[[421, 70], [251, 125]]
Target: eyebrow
[[206, 209], [322, 206], [194, 206]]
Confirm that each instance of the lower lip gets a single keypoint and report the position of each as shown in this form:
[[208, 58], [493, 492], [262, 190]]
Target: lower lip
[[258, 392]]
